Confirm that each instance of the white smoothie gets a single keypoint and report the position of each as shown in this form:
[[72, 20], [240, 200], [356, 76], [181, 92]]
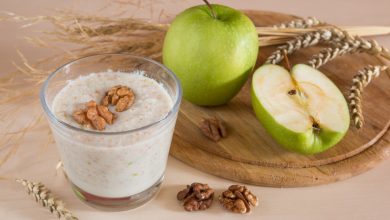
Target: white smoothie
[[118, 164]]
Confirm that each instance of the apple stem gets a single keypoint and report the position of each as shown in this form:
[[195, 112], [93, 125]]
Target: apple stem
[[286, 60], [288, 66], [211, 9]]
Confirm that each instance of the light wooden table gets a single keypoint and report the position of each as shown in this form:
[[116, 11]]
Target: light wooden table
[[363, 197]]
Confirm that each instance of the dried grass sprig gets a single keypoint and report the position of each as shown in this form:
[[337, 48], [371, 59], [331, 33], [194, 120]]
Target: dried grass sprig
[[101, 34], [359, 81], [44, 197], [12, 140]]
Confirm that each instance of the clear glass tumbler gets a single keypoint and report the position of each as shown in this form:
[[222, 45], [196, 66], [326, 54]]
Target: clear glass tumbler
[[118, 170]]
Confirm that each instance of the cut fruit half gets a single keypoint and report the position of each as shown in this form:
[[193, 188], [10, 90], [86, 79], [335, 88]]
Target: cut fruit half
[[304, 111]]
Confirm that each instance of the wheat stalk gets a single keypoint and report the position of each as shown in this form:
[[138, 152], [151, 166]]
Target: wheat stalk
[[43, 196], [311, 33], [359, 81], [305, 40], [348, 45], [351, 45]]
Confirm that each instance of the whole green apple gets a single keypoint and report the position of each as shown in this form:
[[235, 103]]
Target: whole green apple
[[302, 110], [212, 56]]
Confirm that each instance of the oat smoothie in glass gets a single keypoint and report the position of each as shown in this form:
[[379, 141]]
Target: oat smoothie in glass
[[122, 165]]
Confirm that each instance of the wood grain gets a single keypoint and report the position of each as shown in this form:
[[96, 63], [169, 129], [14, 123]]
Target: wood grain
[[250, 155]]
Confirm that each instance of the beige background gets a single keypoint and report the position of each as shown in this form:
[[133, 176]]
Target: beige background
[[363, 197]]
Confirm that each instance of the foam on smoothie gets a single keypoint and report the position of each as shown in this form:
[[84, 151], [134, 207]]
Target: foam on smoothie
[[152, 102]]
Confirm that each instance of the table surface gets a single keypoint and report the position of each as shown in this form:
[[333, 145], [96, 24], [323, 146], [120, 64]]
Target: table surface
[[366, 196]]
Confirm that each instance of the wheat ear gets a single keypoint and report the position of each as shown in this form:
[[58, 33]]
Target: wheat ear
[[328, 35], [43, 196], [349, 45], [300, 23], [359, 81]]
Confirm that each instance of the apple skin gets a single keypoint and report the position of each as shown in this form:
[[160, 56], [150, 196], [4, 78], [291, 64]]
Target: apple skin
[[212, 57], [306, 143]]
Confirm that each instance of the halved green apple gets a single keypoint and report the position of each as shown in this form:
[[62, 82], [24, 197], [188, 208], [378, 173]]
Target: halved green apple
[[304, 111]]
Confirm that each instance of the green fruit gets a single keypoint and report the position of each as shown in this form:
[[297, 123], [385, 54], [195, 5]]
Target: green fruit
[[302, 110], [211, 56]]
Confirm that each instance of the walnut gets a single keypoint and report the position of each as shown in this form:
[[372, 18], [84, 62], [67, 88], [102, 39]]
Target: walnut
[[120, 96], [94, 115], [122, 104], [98, 123], [105, 101], [213, 128], [196, 196], [91, 104], [238, 199], [92, 112], [106, 114], [123, 91], [80, 117], [114, 99]]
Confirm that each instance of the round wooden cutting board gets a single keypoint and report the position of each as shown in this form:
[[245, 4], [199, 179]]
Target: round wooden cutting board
[[250, 155]]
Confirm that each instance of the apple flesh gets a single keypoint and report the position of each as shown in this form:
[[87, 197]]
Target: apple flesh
[[211, 56], [303, 110]]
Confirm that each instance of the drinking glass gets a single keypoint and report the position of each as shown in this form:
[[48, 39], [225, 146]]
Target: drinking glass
[[114, 170]]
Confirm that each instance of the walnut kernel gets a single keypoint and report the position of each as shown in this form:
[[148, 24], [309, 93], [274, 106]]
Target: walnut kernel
[[196, 196], [238, 199], [120, 96], [94, 115], [213, 128]]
